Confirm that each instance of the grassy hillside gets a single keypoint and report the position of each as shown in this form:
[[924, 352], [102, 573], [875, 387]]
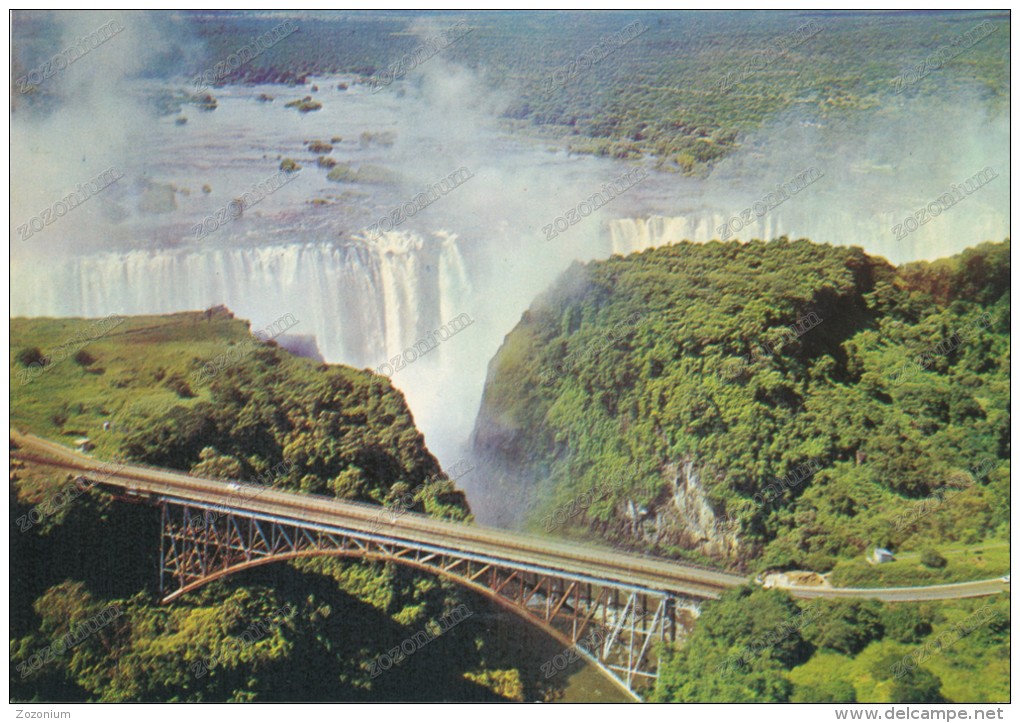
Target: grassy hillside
[[198, 392], [782, 404]]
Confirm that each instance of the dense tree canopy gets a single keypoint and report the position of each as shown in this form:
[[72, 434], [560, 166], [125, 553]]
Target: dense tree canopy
[[811, 395]]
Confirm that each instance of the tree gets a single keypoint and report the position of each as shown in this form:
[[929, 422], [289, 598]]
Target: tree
[[740, 651], [179, 384], [218, 466], [917, 686], [910, 684], [351, 484], [504, 683], [845, 626], [905, 622]]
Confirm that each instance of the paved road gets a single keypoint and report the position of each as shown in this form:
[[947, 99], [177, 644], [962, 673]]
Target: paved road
[[512, 547], [977, 588]]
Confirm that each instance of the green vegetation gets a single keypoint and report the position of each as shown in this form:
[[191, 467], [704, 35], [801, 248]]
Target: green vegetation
[[669, 378], [31, 355], [979, 562], [737, 652], [204, 101], [83, 358], [168, 102], [666, 93], [319, 147], [331, 429], [304, 105], [761, 646], [672, 378]]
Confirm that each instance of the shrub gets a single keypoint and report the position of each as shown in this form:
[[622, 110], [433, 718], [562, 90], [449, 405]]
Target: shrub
[[305, 105], [320, 147], [932, 559], [32, 355], [845, 626], [83, 358], [178, 384], [828, 691]]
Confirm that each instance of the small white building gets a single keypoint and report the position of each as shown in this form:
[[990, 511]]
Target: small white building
[[880, 555]]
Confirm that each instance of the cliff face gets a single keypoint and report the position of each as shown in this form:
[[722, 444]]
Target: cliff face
[[670, 401], [681, 516], [699, 525]]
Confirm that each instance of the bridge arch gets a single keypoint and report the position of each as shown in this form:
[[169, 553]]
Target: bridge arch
[[613, 626], [485, 591]]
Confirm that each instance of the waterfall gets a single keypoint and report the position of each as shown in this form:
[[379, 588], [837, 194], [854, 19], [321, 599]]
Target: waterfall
[[361, 301], [629, 235], [874, 231], [365, 301]]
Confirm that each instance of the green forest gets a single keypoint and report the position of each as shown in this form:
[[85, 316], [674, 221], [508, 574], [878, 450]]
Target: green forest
[[781, 409], [684, 384], [813, 402], [661, 91], [759, 646]]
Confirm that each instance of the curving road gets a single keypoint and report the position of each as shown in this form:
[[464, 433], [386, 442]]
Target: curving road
[[513, 547], [951, 591]]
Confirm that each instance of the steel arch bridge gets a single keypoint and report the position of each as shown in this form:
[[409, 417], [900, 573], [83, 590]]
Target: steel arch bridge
[[623, 606], [614, 625]]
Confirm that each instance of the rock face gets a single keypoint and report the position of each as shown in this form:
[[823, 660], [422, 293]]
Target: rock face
[[705, 529], [682, 516]]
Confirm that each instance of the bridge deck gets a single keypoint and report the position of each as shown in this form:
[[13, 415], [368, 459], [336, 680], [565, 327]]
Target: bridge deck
[[601, 564], [507, 548]]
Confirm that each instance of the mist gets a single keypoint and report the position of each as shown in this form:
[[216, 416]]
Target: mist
[[478, 250]]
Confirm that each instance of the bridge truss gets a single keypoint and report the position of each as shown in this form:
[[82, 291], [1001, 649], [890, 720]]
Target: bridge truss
[[614, 625]]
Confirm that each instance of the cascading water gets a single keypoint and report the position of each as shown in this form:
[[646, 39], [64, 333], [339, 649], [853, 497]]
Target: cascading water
[[361, 301]]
